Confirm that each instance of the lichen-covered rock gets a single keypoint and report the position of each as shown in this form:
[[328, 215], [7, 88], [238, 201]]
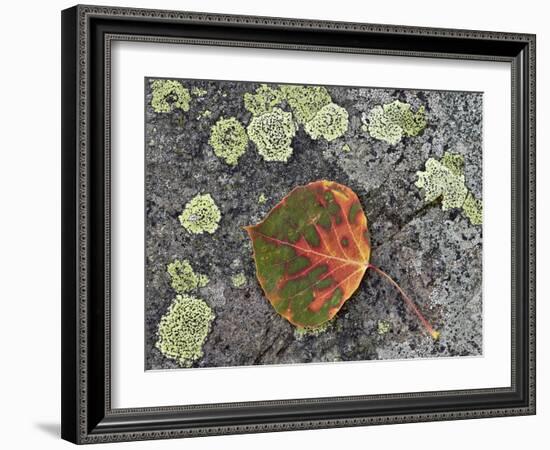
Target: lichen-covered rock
[[435, 255], [330, 122], [239, 280], [229, 140], [183, 278], [305, 101], [383, 327], [183, 329], [272, 133], [445, 179], [201, 214], [392, 121], [442, 181], [169, 95], [473, 209], [263, 100], [198, 92]]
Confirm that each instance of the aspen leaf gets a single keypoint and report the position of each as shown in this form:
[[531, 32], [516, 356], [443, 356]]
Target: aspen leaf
[[312, 251]]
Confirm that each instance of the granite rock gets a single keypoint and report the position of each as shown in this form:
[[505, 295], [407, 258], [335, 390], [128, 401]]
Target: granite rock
[[435, 255]]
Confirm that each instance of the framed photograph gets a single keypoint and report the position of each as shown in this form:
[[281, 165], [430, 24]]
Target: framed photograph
[[281, 224]]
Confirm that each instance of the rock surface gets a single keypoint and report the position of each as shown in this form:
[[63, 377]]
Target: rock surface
[[435, 255]]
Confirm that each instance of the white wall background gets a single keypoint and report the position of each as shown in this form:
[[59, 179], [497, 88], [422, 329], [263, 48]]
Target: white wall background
[[30, 223]]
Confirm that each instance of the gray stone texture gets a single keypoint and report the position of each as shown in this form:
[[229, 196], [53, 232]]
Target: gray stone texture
[[434, 255]]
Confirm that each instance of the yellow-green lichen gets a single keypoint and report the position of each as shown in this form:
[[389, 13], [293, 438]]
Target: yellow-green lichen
[[301, 333], [305, 101], [440, 181], [473, 209], [262, 199], [383, 327], [201, 214], [393, 121], [346, 148], [272, 133], [330, 122], [183, 330], [183, 278], [229, 140], [198, 92], [263, 100], [444, 179], [239, 280], [204, 114], [169, 95], [454, 162]]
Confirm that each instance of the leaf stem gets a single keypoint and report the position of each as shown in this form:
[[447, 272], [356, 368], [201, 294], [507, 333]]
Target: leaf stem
[[412, 305]]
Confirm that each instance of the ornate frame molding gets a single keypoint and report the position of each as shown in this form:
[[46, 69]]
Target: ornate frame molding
[[88, 31]]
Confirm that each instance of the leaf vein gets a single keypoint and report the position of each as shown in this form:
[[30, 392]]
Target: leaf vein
[[305, 250], [332, 288]]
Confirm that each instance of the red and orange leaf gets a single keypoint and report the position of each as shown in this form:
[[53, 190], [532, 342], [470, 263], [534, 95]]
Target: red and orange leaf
[[311, 252]]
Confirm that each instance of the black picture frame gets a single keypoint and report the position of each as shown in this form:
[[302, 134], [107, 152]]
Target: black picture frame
[[87, 33]]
